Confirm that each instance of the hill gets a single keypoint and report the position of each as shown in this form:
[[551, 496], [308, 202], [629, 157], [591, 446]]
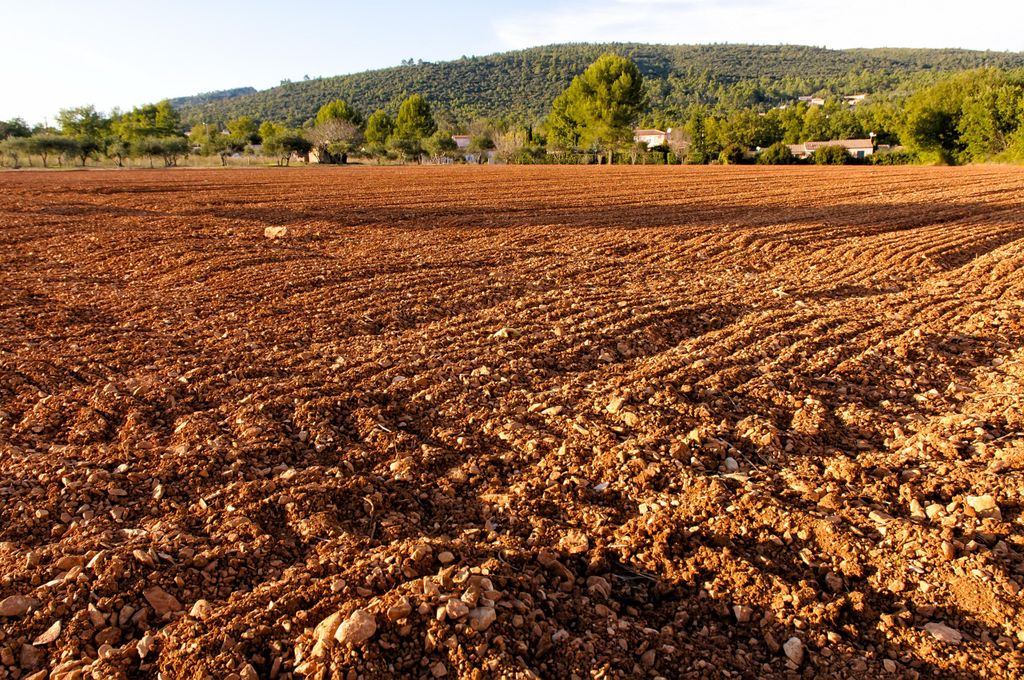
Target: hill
[[207, 97], [521, 85]]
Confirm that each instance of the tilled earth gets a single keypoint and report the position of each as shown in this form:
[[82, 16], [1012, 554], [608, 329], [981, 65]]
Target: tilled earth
[[512, 422]]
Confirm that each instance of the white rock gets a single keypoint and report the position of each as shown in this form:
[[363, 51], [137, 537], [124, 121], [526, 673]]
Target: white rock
[[400, 610], [506, 333], [201, 610], [359, 627], [743, 613], [456, 608], [145, 645], [615, 404], [481, 618], [49, 635], [794, 650], [944, 633], [161, 601], [984, 505], [275, 232]]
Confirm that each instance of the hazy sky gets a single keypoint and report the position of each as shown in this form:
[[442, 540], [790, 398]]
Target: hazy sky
[[61, 53]]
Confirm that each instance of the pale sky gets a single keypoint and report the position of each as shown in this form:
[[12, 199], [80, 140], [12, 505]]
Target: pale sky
[[60, 53]]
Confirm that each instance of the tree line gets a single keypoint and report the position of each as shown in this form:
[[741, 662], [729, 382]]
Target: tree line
[[973, 116]]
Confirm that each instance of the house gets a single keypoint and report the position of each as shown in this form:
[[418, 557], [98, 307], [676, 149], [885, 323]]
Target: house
[[813, 101], [854, 99], [652, 138], [858, 148], [463, 141]]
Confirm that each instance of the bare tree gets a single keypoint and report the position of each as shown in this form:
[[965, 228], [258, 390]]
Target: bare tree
[[333, 139]]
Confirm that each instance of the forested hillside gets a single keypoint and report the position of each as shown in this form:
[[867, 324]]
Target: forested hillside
[[207, 97], [520, 86]]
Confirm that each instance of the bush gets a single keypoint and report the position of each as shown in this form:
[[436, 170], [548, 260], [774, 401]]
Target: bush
[[734, 154], [833, 154], [894, 158], [777, 154]]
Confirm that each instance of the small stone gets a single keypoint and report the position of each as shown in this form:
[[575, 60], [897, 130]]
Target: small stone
[[948, 551], [743, 613], [439, 670], [889, 665], [944, 633], [96, 617], [68, 562], [399, 611], [17, 605], [481, 618], [456, 608], [574, 542], [731, 465], [201, 610], [248, 673], [507, 333], [145, 645], [49, 635], [445, 557], [648, 658], [30, 658], [420, 552], [359, 627], [794, 650], [275, 232], [615, 404], [161, 601], [108, 636]]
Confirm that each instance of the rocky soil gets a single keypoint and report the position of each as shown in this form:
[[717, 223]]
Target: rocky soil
[[512, 422]]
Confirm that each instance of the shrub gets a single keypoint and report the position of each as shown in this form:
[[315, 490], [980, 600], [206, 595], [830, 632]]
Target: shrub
[[894, 158], [777, 154], [734, 154], [833, 154]]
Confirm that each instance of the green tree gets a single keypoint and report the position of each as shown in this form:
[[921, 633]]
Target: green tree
[[13, 148], [15, 127], [932, 125], [47, 144], [379, 128], [84, 147], [601, 107], [83, 121], [243, 131], [833, 154], [440, 146], [480, 145], [117, 149], [414, 121], [280, 142], [991, 117], [169, 149], [734, 154], [336, 131], [777, 154], [151, 120], [699, 150], [338, 110]]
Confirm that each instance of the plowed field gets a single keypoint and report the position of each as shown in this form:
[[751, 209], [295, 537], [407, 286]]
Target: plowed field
[[512, 422]]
